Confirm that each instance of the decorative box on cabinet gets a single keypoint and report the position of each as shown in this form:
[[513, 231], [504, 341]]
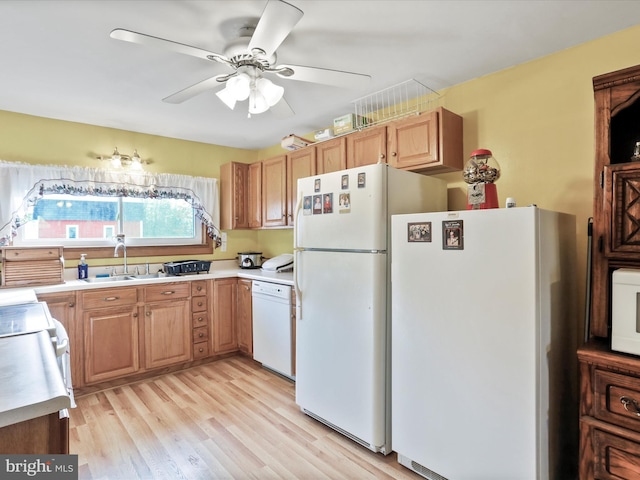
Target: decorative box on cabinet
[[26, 266], [609, 414]]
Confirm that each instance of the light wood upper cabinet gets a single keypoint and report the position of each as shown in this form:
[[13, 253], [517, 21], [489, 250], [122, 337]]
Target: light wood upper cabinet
[[300, 163], [367, 147], [233, 195], [430, 142], [331, 156], [274, 192], [255, 195]]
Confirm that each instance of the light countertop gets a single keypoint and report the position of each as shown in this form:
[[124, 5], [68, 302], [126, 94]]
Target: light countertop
[[31, 382]]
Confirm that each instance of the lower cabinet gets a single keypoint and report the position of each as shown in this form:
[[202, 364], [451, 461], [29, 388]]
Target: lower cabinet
[[111, 344], [167, 324], [200, 318], [609, 414], [224, 338], [244, 317]]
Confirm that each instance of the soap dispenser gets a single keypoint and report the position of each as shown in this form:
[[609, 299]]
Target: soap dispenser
[[83, 268]]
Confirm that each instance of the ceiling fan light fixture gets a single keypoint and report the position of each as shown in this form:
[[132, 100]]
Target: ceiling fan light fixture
[[272, 93], [257, 102], [240, 86], [227, 97]]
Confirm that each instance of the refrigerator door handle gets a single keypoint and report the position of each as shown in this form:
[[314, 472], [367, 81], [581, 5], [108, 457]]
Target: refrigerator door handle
[[296, 285], [296, 215]]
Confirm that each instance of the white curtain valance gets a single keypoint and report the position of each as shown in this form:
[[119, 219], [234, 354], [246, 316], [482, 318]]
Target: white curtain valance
[[21, 185]]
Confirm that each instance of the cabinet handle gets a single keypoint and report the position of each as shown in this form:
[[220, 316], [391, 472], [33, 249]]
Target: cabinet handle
[[201, 335], [135, 315], [148, 314], [199, 288], [393, 154], [382, 156], [110, 299], [71, 305], [630, 405], [200, 304], [168, 292], [200, 319], [201, 350]]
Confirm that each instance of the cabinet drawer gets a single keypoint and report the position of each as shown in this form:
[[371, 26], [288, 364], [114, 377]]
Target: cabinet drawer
[[198, 288], [617, 399], [200, 334], [200, 350], [200, 319], [166, 291], [199, 304], [615, 457], [111, 297]]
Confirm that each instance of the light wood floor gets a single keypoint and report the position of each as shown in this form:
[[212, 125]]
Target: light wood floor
[[230, 419]]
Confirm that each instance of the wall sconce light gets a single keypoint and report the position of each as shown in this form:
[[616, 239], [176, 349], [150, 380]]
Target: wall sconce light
[[119, 160]]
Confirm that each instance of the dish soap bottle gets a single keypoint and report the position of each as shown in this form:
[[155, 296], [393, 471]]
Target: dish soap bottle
[[83, 268]]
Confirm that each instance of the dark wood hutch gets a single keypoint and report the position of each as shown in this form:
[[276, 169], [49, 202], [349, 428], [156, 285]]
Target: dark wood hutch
[[610, 381]]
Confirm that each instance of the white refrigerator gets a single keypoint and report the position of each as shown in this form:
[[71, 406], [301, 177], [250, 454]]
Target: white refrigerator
[[341, 241], [484, 324]]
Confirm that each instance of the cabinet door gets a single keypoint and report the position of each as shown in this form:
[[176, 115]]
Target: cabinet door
[[233, 196], [428, 143], [63, 308], [331, 156], [413, 141], [274, 192], [367, 147], [167, 333], [255, 195], [622, 210], [300, 164], [224, 316], [110, 343], [244, 319]]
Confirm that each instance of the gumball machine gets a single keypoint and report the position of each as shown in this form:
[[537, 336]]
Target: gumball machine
[[480, 173]]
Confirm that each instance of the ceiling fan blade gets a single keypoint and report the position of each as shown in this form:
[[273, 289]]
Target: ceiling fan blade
[[196, 89], [277, 21], [148, 40], [282, 109], [336, 78]]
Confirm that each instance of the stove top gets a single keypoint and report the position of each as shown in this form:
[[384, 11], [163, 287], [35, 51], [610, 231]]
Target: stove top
[[25, 318]]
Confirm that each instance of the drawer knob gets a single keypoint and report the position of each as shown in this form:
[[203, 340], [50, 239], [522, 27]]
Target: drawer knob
[[630, 405]]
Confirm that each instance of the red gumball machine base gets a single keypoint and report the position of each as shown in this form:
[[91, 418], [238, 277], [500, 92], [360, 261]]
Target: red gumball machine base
[[481, 196]]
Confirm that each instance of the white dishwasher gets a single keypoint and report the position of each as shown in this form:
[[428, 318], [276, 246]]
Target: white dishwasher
[[272, 331]]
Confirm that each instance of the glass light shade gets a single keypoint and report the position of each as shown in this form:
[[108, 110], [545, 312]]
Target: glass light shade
[[136, 162], [227, 97], [272, 92], [239, 86], [257, 102], [116, 159]]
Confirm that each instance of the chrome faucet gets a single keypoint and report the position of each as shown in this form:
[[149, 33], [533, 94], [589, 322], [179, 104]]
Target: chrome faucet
[[120, 243]]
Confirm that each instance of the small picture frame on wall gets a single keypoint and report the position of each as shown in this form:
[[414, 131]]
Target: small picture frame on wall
[[419, 232]]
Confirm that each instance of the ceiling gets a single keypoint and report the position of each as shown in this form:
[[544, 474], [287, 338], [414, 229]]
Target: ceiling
[[58, 60]]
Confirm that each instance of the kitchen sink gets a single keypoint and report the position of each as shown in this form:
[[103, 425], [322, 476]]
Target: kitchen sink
[[107, 279], [144, 276]]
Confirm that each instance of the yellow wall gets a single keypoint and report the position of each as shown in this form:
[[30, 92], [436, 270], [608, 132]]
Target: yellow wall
[[537, 118]]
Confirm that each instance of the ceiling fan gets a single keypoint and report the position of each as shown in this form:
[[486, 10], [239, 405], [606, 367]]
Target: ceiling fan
[[250, 57]]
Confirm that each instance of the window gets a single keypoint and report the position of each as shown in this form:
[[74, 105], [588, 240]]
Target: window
[[80, 208], [89, 220]]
